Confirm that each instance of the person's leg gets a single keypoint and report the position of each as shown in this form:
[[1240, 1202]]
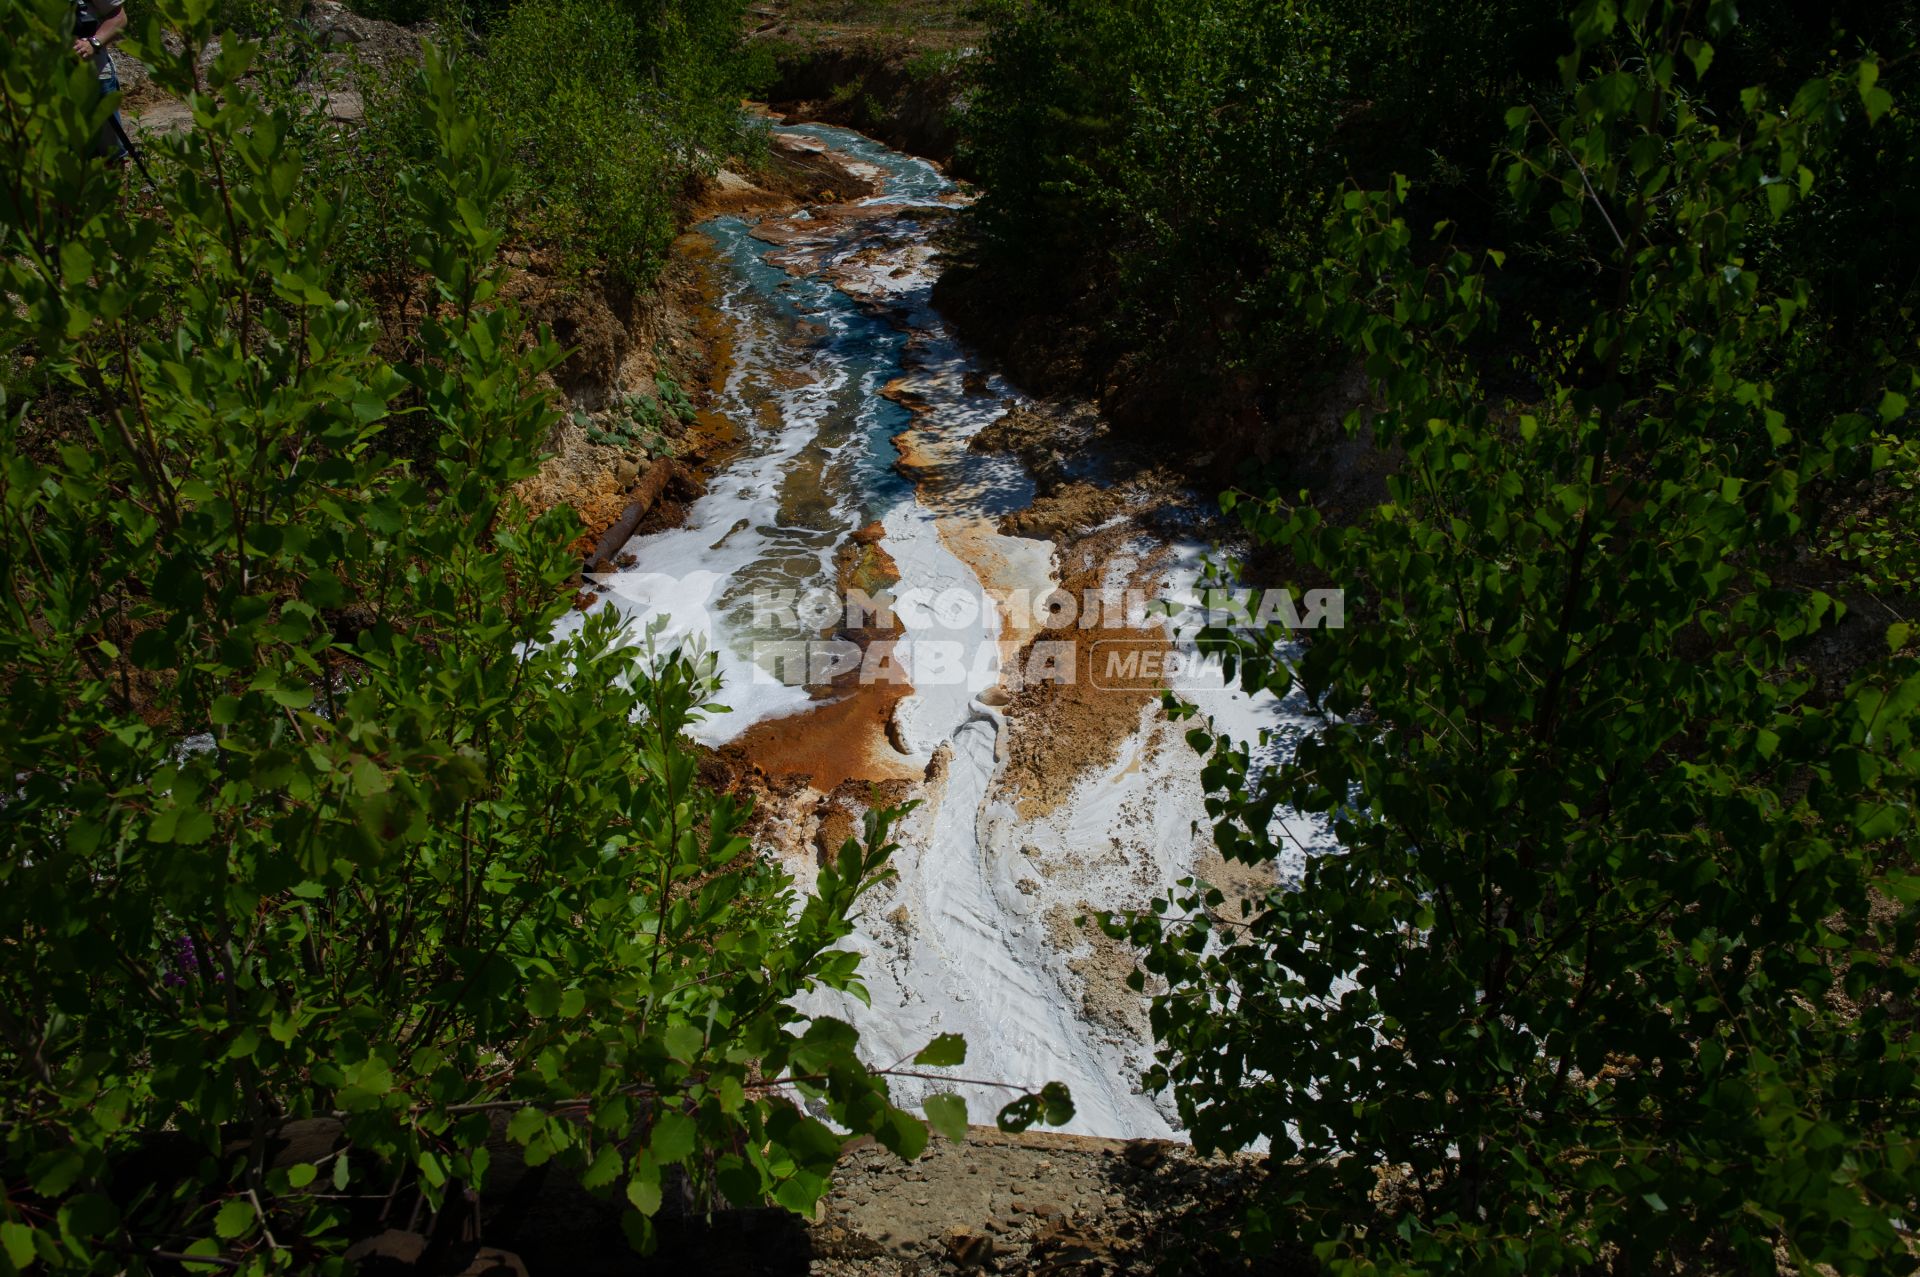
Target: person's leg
[[112, 147]]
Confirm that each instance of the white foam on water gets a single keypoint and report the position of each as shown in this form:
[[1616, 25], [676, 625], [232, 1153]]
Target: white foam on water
[[974, 935], [971, 955], [702, 575]]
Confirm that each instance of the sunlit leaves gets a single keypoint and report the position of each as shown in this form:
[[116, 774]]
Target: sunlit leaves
[[947, 1114], [1051, 1105], [944, 1051], [315, 820]]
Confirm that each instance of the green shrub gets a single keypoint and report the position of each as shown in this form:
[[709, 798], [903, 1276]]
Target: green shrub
[[642, 418], [309, 816], [930, 64], [609, 111], [1614, 965], [1161, 168], [405, 12], [597, 178], [1177, 149]]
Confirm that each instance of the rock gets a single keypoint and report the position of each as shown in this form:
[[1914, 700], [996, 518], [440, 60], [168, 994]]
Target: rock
[[864, 566], [491, 1262], [393, 1251], [967, 1248], [1146, 1154], [1072, 1245], [995, 696], [1017, 430], [938, 764], [345, 105], [339, 24], [837, 824], [625, 471], [398, 1252], [897, 732], [1049, 472], [869, 535]]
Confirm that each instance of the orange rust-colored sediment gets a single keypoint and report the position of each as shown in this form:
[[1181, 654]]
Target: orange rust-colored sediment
[[844, 738], [1058, 732], [833, 742]]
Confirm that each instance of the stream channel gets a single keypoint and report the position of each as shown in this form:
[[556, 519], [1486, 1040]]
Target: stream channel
[[852, 405]]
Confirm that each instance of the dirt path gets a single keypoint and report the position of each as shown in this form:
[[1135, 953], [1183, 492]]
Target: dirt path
[[1033, 1203]]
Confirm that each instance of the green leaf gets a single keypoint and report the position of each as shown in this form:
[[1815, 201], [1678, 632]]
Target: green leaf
[[947, 1114], [673, 1137], [1876, 821], [302, 1174], [89, 1215], [944, 1051], [206, 1248], [1866, 76], [1878, 102], [684, 1042], [526, 1124], [192, 826], [1700, 53], [643, 1190], [53, 1173], [235, 1218], [801, 1192], [543, 997], [293, 694], [902, 1133], [1057, 1104], [606, 1167], [17, 1239], [741, 1182]]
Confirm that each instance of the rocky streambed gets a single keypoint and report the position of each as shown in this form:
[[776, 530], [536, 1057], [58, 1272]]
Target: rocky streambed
[[998, 668]]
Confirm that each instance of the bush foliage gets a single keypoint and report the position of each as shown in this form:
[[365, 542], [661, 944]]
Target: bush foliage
[[1614, 966], [321, 815], [1168, 163], [609, 111]]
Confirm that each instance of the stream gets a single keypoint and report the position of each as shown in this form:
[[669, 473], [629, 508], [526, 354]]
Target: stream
[[853, 405]]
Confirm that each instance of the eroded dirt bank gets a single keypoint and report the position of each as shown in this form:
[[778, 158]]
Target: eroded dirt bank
[[896, 76]]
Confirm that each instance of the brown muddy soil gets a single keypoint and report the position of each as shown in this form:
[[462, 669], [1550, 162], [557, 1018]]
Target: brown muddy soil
[[1032, 1203], [1036, 1203], [1060, 731]]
